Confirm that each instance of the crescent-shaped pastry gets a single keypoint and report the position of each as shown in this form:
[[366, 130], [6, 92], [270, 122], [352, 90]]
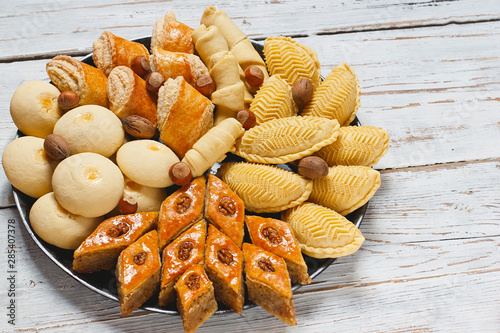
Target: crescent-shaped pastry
[[337, 97], [128, 95], [291, 60], [208, 41], [322, 232], [111, 51], [356, 145], [172, 35], [345, 188], [265, 188], [174, 64], [283, 140], [184, 115], [273, 100], [90, 83]]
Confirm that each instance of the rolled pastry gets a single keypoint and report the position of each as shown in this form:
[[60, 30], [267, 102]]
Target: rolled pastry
[[68, 73], [184, 115], [111, 51], [172, 35], [213, 146], [174, 64], [128, 95], [208, 41]]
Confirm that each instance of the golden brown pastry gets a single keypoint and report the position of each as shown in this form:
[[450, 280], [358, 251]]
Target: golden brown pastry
[[224, 265], [68, 73], [224, 209], [195, 298], [128, 95], [111, 51], [172, 35], [186, 250], [268, 283], [180, 210], [138, 272], [276, 237], [101, 249]]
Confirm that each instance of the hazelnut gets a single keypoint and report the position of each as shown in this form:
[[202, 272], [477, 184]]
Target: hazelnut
[[56, 147], [139, 127], [127, 206], [254, 76], [154, 81], [180, 173], [205, 85], [68, 100], [312, 167], [302, 92], [140, 65], [246, 118]]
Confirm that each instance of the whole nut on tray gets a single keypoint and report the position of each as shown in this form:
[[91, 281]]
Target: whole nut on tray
[[312, 167], [140, 65], [302, 92], [56, 147], [246, 118], [205, 85], [154, 81], [139, 127], [68, 100], [127, 205], [254, 76], [180, 173]]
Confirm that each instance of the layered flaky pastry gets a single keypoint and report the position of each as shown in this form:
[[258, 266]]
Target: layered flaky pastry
[[322, 232], [172, 35]]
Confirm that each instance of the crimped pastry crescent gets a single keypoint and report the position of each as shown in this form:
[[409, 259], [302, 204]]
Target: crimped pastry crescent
[[68, 73], [345, 188], [283, 140], [322, 232], [265, 188], [172, 35], [356, 145], [337, 97]]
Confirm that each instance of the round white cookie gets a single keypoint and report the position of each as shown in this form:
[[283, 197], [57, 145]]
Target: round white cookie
[[34, 108], [91, 128], [148, 199], [146, 162], [55, 225], [88, 184], [28, 167]]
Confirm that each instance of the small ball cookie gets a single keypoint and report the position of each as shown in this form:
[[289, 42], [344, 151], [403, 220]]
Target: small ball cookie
[[55, 225], [88, 184], [28, 167], [34, 108], [146, 162], [91, 128]]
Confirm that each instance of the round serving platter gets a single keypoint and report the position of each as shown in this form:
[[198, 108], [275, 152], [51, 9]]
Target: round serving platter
[[104, 282]]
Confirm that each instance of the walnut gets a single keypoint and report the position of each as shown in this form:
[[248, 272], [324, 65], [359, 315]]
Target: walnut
[[266, 265], [118, 229], [272, 234], [184, 251], [227, 206], [225, 256], [140, 258], [193, 282], [183, 203]]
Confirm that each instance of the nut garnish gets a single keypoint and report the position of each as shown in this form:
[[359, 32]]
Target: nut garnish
[[225, 256], [184, 251], [302, 92], [154, 81], [140, 258], [227, 206], [193, 282], [312, 167], [272, 235], [246, 118], [56, 147], [266, 265], [180, 173], [183, 203], [68, 100], [254, 76], [118, 229], [139, 127], [140, 65], [127, 205], [205, 85]]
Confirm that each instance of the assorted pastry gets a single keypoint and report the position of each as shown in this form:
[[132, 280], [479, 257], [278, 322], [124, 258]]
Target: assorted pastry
[[128, 163]]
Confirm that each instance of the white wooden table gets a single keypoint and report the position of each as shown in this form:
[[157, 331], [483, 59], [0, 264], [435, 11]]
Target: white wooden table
[[429, 74]]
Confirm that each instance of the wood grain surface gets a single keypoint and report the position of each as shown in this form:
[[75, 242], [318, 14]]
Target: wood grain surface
[[429, 73]]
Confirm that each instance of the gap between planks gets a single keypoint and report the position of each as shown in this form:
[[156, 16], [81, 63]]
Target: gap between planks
[[435, 166]]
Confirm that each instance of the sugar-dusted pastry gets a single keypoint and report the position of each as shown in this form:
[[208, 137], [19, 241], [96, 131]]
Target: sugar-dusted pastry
[[265, 188], [268, 283], [181, 210], [185, 251], [356, 145], [224, 265], [213, 146], [322, 232], [128, 95], [172, 35], [277, 237], [195, 298], [184, 115], [337, 97], [111, 51], [138, 272], [101, 249], [283, 140], [292, 60], [224, 209], [345, 188], [173, 64], [273, 100], [90, 83]]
